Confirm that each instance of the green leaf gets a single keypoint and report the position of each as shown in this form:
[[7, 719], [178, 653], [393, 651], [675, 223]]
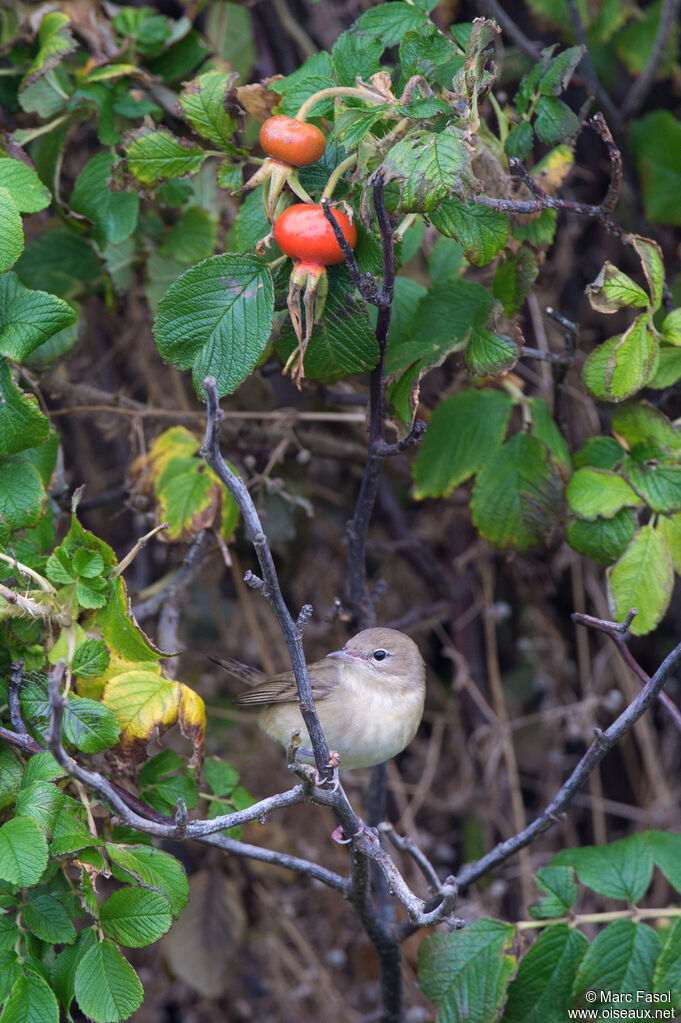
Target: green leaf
[[22, 495], [391, 21], [42, 801], [220, 775], [541, 988], [489, 354], [203, 104], [513, 279], [41, 767], [538, 230], [464, 431], [9, 969], [113, 214], [639, 422], [54, 41], [89, 725], [594, 493], [482, 232], [429, 168], [315, 74], [22, 424], [23, 852], [621, 960], [217, 318], [517, 495], [655, 139], [642, 578], [466, 972], [658, 484], [193, 237], [135, 917], [188, 499], [669, 527], [557, 78], [11, 231], [630, 362], [619, 870], [27, 190], [48, 919], [448, 312], [613, 289], [603, 540], [444, 264], [667, 976], [650, 254], [229, 28], [31, 1001], [120, 632], [63, 970], [555, 121], [10, 776], [560, 892], [668, 369], [634, 43], [91, 659], [106, 987], [28, 318], [544, 428], [152, 868], [356, 54], [666, 852], [671, 327], [519, 140], [154, 156], [342, 344], [70, 832], [162, 273]]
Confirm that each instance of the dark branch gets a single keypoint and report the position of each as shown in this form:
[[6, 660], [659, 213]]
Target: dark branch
[[602, 745], [16, 677]]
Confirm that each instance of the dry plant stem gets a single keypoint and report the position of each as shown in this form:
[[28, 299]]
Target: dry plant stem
[[501, 713], [269, 584], [544, 201], [617, 632], [642, 85], [600, 747]]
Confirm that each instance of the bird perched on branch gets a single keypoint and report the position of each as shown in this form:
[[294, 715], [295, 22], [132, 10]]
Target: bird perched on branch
[[369, 698]]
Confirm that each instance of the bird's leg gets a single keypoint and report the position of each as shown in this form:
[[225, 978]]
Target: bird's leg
[[338, 835], [334, 762]]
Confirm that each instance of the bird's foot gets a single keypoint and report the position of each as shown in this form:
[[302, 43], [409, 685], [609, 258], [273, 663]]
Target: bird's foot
[[334, 763]]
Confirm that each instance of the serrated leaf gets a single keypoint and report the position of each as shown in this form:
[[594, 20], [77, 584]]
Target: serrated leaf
[[90, 659], [612, 289], [25, 187], [22, 495], [593, 493], [429, 168], [638, 422], [135, 917], [518, 494], [391, 21], [642, 578], [42, 801], [343, 342], [513, 279], [619, 870], [603, 540], [560, 892], [10, 776], [31, 1001], [113, 214], [155, 156], [464, 431], [41, 767], [669, 527], [482, 232], [153, 868], [120, 630], [542, 986], [202, 102], [356, 54], [555, 121], [70, 832], [490, 354], [667, 369], [22, 424], [315, 74], [666, 852], [538, 229], [106, 987], [667, 976], [621, 960], [48, 919], [659, 484], [466, 972], [11, 231], [23, 852], [28, 318], [89, 725], [217, 318], [54, 42], [519, 140], [557, 78], [188, 500], [192, 237], [671, 327], [631, 361]]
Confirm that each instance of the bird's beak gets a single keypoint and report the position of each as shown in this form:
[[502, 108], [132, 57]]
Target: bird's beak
[[343, 655]]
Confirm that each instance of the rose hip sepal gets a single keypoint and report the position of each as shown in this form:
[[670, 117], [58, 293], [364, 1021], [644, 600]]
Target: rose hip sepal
[[289, 144], [303, 233]]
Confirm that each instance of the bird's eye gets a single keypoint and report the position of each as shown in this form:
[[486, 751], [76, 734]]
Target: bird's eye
[[380, 655]]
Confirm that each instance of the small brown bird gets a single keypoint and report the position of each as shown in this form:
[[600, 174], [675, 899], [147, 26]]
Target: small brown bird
[[369, 698]]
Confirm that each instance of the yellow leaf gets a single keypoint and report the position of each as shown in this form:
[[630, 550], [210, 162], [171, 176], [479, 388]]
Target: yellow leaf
[[144, 704], [554, 168], [192, 720], [172, 443]]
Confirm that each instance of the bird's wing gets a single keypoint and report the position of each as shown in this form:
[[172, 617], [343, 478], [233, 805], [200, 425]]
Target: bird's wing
[[282, 688], [243, 672]]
